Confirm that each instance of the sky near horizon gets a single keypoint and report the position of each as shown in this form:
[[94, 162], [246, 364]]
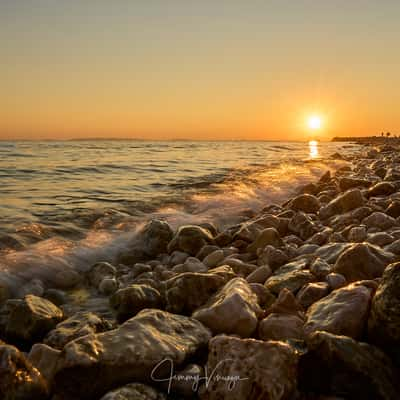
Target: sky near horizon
[[221, 69]]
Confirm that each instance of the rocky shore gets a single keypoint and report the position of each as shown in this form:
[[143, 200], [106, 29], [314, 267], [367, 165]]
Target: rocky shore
[[299, 302]]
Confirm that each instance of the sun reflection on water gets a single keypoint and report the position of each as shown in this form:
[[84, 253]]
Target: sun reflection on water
[[313, 144]]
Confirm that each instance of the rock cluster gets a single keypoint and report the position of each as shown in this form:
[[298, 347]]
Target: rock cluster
[[301, 301]]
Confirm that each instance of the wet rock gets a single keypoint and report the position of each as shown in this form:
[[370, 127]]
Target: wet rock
[[379, 220], [339, 365], [291, 280], [260, 275], [129, 301], [357, 234], [362, 261], [393, 209], [306, 203], [281, 327], [134, 391], [345, 202], [190, 239], [268, 236], [108, 286], [381, 189], [28, 320], [302, 226], [44, 358], [19, 380], [384, 321], [347, 183], [233, 310], [343, 312], [99, 271], [312, 292], [98, 363], [80, 324], [262, 370], [335, 281], [189, 291]]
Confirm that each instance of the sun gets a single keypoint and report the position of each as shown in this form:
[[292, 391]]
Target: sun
[[315, 122]]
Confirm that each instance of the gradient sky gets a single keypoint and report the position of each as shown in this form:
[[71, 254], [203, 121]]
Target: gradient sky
[[220, 69]]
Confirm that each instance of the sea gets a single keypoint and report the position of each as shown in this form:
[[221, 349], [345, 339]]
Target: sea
[[69, 204]]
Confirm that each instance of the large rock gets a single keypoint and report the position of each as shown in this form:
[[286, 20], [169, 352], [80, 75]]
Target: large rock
[[362, 261], [381, 189], [281, 327], [302, 225], [257, 370], [134, 391], [343, 203], [28, 320], [343, 312], [338, 365], [312, 292], [268, 236], [384, 321], [347, 183], [130, 300], [306, 203], [379, 220], [233, 310], [293, 280], [188, 291], [80, 324], [92, 365], [190, 239], [19, 380]]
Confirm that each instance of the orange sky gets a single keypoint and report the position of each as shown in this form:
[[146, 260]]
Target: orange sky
[[204, 70]]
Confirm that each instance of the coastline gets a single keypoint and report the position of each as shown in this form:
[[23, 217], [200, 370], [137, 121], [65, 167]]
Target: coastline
[[290, 296]]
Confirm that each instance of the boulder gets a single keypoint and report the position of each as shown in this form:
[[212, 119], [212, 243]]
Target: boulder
[[268, 236], [394, 247], [362, 261], [281, 327], [257, 370], [345, 202], [393, 209], [347, 183], [99, 271], [306, 203], [134, 391], [80, 324], [335, 281], [272, 257], [19, 380], [129, 301], [302, 225], [214, 258], [320, 268], [28, 320], [339, 365], [260, 275], [233, 310], [188, 291], [265, 297], [190, 239], [286, 303], [292, 280], [384, 320], [312, 292], [92, 365], [380, 239], [357, 234], [381, 189], [343, 312], [45, 359], [330, 252], [380, 221]]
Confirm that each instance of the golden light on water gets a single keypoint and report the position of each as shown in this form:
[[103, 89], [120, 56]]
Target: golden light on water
[[313, 144]]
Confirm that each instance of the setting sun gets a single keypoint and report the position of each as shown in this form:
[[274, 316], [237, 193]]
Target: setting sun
[[315, 122]]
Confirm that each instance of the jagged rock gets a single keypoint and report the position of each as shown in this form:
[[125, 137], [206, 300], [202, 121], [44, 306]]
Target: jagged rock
[[19, 380], [312, 292], [190, 239], [330, 252], [343, 312], [233, 310], [379, 220], [302, 225], [335, 281], [273, 257], [362, 261], [262, 370], [343, 203], [384, 321], [339, 365], [134, 391], [306, 203], [292, 280], [90, 366], [260, 275], [188, 291], [381, 189], [265, 297], [28, 320], [268, 236], [357, 234], [129, 301], [281, 327], [80, 324], [286, 303], [320, 268]]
